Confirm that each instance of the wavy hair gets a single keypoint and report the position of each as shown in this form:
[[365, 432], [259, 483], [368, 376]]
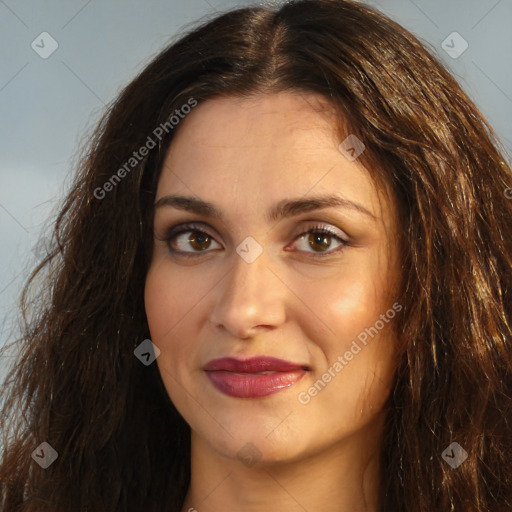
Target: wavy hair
[[122, 446]]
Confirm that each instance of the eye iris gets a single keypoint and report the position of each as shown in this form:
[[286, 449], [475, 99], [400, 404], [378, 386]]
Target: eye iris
[[319, 238], [199, 238]]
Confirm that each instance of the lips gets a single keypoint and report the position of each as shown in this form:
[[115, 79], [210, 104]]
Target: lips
[[253, 365], [255, 377]]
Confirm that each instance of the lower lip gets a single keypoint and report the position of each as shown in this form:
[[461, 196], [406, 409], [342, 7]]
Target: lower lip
[[252, 385]]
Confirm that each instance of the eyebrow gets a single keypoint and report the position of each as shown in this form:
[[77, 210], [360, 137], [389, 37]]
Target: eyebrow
[[283, 209]]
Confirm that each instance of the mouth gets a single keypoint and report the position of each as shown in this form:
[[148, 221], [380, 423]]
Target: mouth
[[255, 377]]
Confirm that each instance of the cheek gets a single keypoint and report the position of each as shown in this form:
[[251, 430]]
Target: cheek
[[347, 303], [350, 307], [165, 306], [159, 304], [174, 308], [170, 295]]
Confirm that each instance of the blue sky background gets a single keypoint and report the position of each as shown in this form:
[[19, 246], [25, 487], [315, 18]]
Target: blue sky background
[[48, 106]]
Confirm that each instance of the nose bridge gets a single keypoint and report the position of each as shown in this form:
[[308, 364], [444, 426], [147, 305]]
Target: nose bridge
[[249, 268], [248, 282], [250, 294]]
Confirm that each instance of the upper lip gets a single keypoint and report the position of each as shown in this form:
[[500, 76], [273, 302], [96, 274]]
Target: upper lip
[[253, 365]]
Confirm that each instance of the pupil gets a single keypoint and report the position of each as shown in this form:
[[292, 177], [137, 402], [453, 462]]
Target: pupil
[[198, 240], [319, 239]]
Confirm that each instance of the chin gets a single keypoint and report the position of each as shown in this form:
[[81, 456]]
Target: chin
[[255, 446]]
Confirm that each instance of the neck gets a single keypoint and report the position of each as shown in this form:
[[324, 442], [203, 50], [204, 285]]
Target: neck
[[343, 477]]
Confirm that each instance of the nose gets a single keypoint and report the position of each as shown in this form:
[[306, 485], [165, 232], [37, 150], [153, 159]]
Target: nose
[[251, 297]]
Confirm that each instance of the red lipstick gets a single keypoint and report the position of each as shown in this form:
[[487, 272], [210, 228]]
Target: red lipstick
[[255, 377]]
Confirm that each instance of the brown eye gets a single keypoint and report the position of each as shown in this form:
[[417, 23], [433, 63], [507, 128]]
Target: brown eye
[[195, 242], [319, 239], [199, 241]]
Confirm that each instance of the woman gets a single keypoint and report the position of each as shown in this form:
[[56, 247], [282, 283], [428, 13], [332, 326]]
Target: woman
[[281, 281]]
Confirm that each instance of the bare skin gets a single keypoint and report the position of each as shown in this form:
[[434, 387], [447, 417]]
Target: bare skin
[[296, 449]]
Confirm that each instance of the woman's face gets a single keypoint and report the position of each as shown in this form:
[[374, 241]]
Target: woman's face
[[253, 277]]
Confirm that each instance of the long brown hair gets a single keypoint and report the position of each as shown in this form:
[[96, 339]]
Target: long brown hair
[[77, 385]]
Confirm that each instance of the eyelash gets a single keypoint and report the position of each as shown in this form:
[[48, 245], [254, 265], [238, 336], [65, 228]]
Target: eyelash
[[173, 232]]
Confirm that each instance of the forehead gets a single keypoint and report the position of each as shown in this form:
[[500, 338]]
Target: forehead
[[263, 120], [262, 149]]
